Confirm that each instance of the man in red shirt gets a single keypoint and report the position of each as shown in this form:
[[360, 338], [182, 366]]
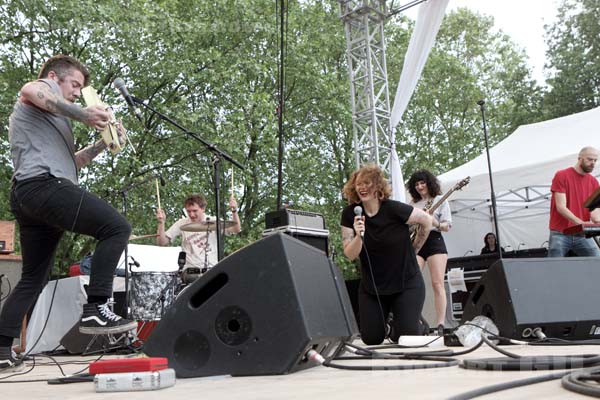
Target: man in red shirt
[[570, 189]]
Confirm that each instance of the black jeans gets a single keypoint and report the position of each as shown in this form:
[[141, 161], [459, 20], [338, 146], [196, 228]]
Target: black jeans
[[406, 306], [45, 207]]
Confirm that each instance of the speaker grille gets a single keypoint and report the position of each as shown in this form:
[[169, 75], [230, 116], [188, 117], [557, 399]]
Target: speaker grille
[[191, 350]]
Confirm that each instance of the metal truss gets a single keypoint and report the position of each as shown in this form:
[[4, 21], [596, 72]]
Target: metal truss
[[363, 23]]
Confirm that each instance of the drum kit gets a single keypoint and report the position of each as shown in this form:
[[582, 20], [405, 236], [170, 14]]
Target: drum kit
[[152, 293]]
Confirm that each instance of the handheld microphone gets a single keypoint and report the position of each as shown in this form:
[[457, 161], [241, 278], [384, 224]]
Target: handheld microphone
[[181, 259], [119, 84], [358, 212]]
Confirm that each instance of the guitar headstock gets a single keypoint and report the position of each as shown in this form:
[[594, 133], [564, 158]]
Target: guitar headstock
[[462, 183]]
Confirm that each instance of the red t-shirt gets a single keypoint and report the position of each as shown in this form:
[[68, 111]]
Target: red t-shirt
[[577, 189]]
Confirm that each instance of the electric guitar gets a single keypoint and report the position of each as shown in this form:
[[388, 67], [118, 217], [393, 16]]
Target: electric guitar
[[429, 208], [109, 134]]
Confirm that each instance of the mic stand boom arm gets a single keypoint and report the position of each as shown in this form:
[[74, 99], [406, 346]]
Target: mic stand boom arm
[[218, 155]]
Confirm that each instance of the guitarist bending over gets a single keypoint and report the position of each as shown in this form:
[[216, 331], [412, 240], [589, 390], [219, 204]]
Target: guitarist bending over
[[424, 188]]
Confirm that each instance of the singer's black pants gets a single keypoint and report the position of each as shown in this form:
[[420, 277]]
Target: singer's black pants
[[45, 207], [406, 307]]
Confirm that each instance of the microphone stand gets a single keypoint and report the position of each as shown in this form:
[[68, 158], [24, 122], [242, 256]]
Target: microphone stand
[[218, 155], [481, 104], [124, 192]]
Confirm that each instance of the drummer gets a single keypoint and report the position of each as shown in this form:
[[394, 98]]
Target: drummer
[[200, 247]]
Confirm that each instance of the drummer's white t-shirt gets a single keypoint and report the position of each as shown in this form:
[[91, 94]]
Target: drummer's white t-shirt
[[199, 253]]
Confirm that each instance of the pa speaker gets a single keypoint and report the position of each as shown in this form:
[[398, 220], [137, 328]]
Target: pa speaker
[[258, 312], [558, 295]]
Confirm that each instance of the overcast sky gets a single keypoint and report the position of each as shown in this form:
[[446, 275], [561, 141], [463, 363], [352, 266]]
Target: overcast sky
[[522, 20]]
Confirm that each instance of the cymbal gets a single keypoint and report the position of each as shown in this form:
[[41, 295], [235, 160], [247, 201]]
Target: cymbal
[[133, 237], [206, 226]]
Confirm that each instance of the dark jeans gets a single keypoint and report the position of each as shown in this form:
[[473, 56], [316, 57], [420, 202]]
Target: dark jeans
[[406, 307], [45, 207]]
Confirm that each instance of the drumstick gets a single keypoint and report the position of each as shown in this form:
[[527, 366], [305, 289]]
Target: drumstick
[[231, 181], [157, 193]]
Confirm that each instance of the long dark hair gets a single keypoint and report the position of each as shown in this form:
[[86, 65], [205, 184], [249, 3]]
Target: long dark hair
[[433, 185], [487, 246]]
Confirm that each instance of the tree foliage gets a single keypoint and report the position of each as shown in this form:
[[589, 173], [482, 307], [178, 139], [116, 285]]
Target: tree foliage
[[573, 59], [212, 68], [442, 127]]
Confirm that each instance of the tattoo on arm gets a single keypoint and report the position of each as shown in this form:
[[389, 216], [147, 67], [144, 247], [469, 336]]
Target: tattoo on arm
[[86, 155], [347, 236], [55, 104]]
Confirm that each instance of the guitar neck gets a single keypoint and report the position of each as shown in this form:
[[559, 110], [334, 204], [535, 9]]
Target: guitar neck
[[441, 201]]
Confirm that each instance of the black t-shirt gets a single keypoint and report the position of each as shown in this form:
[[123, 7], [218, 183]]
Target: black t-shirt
[[486, 250], [388, 244]]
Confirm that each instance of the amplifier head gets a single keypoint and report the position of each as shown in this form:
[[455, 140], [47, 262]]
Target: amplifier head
[[294, 218]]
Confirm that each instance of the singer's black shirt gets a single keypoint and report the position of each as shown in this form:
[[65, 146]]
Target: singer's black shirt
[[389, 249]]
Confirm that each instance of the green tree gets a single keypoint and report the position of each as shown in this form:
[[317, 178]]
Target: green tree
[[573, 59], [469, 62]]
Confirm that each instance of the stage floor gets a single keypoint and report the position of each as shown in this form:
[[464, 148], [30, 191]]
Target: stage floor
[[315, 383]]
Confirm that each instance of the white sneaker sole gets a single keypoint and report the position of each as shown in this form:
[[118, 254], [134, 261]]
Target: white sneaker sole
[[99, 330]]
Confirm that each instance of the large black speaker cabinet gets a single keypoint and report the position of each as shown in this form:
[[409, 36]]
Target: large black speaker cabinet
[[558, 295], [258, 312]]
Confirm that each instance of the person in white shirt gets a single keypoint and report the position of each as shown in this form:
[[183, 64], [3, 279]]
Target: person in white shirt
[[200, 247], [424, 189]]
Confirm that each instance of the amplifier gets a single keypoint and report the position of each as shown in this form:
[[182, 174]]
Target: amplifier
[[318, 238], [294, 218], [469, 270]]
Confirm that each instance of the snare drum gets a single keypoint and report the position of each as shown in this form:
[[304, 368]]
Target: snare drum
[[152, 293]]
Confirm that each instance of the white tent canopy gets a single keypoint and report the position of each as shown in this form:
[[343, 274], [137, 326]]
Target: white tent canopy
[[523, 165]]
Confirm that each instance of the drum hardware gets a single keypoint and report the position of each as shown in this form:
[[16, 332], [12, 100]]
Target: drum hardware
[[181, 260], [206, 226]]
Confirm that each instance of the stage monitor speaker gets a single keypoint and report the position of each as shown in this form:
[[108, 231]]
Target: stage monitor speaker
[[257, 312], [558, 295]]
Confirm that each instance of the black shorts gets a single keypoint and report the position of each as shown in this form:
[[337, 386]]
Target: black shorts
[[433, 245]]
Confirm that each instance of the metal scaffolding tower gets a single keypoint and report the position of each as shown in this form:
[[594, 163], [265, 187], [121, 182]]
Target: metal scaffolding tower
[[363, 22]]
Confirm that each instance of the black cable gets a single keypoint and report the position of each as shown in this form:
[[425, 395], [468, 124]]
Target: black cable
[[46, 321], [445, 362], [444, 352], [564, 342], [533, 363], [586, 381], [507, 385], [9, 287], [3, 379]]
